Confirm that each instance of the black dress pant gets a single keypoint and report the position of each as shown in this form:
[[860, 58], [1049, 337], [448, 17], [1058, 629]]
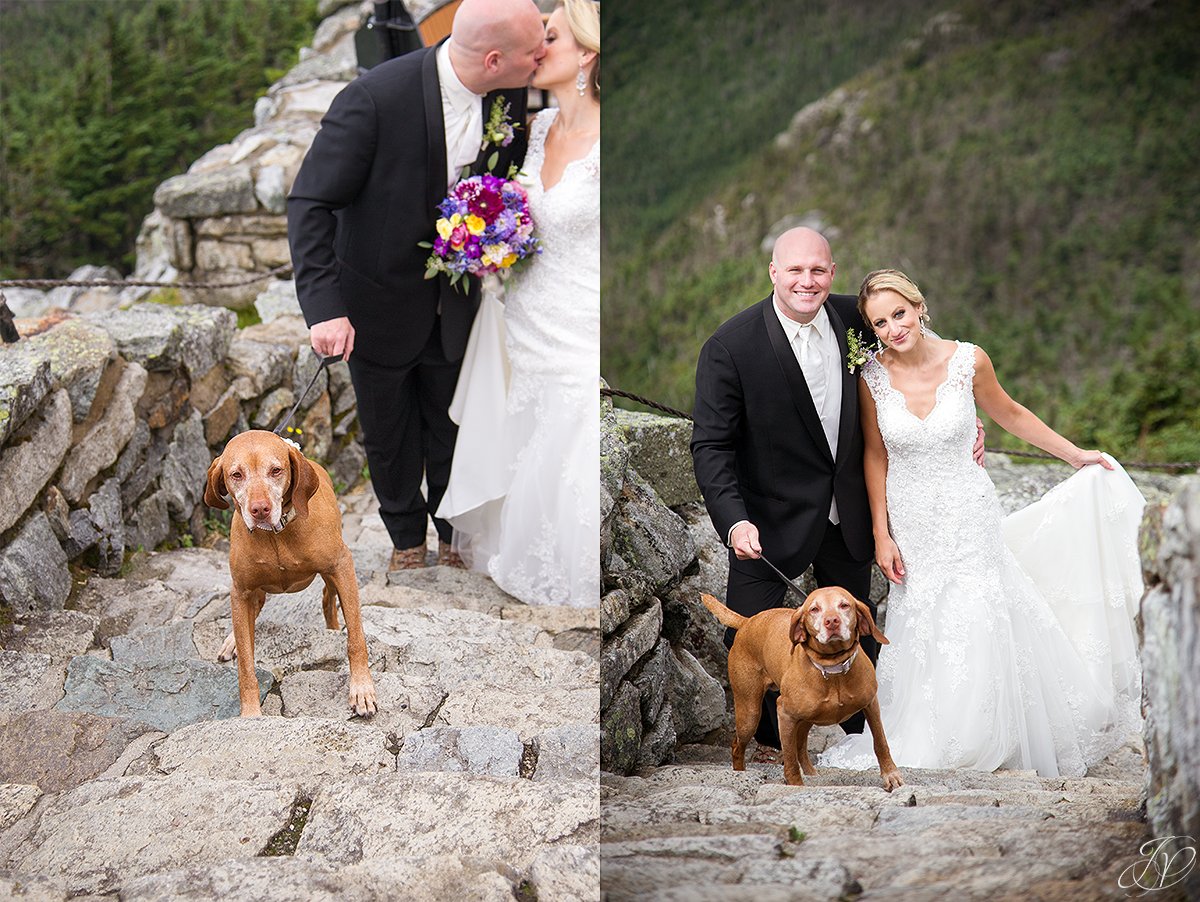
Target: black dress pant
[[408, 433], [833, 566]]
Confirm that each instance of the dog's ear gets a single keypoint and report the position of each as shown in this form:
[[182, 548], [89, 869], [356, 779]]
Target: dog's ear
[[304, 482], [796, 629], [866, 624], [214, 488]]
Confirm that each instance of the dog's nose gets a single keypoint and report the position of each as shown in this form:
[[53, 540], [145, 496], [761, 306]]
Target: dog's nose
[[260, 510], [833, 623]]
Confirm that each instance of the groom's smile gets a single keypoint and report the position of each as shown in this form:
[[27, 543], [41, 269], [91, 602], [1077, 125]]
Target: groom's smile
[[802, 271]]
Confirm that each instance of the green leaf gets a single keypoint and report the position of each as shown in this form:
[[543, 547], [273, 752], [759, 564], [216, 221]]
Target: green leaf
[[493, 160], [424, 244], [431, 272]]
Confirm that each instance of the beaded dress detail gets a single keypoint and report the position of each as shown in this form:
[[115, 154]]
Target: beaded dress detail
[[1012, 638]]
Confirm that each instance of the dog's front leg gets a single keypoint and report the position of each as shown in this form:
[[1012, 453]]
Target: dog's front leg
[[789, 730], [362, 687], [244, 605], [887, 767], [806, 764]]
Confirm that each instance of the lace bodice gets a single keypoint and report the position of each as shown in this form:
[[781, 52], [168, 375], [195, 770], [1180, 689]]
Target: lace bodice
[[552, 307]]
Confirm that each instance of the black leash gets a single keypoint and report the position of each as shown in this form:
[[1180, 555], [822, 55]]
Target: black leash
[[800, 593], [325, 362]]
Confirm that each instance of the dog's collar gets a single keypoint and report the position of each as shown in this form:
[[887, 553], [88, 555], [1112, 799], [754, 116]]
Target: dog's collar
[[287, 517], [836, 669]]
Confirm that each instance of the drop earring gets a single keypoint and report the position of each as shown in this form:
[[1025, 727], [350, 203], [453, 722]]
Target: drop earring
[[581, 81], [924, 318]]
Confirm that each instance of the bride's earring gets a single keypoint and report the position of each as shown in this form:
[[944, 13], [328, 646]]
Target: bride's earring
[[581, 81], [924, 318]]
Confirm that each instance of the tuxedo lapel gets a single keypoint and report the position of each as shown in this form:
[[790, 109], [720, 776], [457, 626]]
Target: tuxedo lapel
[[801, 396], [849, 415], [435, 130]]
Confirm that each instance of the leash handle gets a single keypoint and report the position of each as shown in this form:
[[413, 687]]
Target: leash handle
[[325, 362], [791, 583]]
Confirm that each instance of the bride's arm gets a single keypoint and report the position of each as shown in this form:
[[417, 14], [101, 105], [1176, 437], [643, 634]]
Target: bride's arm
[[1022, 422], [875, 464]]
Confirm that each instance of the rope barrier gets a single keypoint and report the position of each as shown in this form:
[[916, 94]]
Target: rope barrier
[[136, 283], [1036, 455]]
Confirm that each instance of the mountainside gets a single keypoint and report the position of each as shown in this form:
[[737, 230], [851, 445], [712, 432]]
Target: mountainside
[[1032, 165]]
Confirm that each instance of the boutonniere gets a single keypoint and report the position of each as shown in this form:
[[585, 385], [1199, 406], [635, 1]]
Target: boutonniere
[[498, 131], [858, 353]]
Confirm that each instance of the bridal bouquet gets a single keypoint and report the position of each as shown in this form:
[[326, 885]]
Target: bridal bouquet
[[484, 227]]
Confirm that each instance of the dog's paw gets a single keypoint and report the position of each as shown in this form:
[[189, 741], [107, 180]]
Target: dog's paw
[[892, 780], [362, 698], [228, 650]]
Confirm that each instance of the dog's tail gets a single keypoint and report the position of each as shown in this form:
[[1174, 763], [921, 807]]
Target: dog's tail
[[723, 614]]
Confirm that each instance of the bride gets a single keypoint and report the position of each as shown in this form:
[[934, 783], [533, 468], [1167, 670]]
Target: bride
[[524, 493], [1011, 639]]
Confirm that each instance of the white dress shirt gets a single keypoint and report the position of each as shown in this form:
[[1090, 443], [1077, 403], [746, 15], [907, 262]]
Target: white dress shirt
[[462, 113], [820, 358]]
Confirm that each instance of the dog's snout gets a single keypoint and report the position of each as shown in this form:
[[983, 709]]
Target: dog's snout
[[260, 509]]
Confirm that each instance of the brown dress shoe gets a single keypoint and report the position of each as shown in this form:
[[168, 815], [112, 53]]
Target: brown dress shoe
[[407, 558], [448, 557]]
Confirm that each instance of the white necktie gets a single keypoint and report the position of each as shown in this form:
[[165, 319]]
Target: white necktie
[[812, 365]]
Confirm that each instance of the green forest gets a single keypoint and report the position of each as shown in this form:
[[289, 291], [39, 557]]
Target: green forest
[[1034, 166], [101, 100]]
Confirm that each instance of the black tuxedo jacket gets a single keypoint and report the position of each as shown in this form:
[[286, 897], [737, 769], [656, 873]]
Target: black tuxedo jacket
[[758, 447], [366, 194]]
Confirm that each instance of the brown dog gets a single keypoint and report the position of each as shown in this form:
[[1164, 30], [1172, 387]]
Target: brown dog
[[811, 656], [288, 529]]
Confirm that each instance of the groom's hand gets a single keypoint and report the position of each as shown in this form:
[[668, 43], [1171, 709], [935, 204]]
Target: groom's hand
[[977, 451], [744, 541], [333, 338]]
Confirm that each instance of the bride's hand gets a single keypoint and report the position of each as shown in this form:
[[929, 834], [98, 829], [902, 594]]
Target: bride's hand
[[887, 556], [1083, 458]]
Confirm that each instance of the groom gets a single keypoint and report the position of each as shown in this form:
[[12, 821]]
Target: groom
[[393, 142], [777, 445]]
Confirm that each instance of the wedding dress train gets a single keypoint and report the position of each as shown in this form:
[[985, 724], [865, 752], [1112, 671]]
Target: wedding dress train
[[524, 493], [1012, 638]]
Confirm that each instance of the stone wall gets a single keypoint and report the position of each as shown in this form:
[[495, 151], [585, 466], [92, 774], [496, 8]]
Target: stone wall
[[109, 420], [1171, 673]]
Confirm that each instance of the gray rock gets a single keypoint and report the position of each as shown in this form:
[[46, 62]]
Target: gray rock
[[660, 453], [193, 338], [625, 648], [82, 534], [615, 607], [651, 681], [164, 695], [305, 750], [59, 750], [479, 750], [66, 295], [33, 568], [124, 605], [15, 802], [621, 731], [1171, 648], [265, 365], [102, 833], [614, 458], [650, 539], [199, 575], [566, 872], [287, 648], [152, 644], [465, 815], [26, 302], [306, 367], [273, 408], [59, 634], [526, 711], [658, 739], [25, 379], [347, 467], [217, 193], [31, 682], [270, 189], [150, 524], [104, 508], [33, 887], [79, 352], [104, 441], [404, 705], [465, 585], [570, 752], [185, 468], [697, 699], [32, 457]]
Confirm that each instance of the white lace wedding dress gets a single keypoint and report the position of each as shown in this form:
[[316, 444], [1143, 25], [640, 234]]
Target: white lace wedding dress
[[524, 493], [1012, 639]]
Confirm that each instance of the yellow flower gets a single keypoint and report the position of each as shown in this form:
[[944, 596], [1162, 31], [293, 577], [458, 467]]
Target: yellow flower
[[509, 260], [475, 225], [446, 226], [493, 254]]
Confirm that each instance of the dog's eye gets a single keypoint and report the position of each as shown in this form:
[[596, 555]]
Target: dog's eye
[[276, 471], [236, 474]]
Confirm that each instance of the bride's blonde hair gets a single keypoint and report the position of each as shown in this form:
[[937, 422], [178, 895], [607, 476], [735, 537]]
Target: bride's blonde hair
[[583, 17], [890, 280]]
